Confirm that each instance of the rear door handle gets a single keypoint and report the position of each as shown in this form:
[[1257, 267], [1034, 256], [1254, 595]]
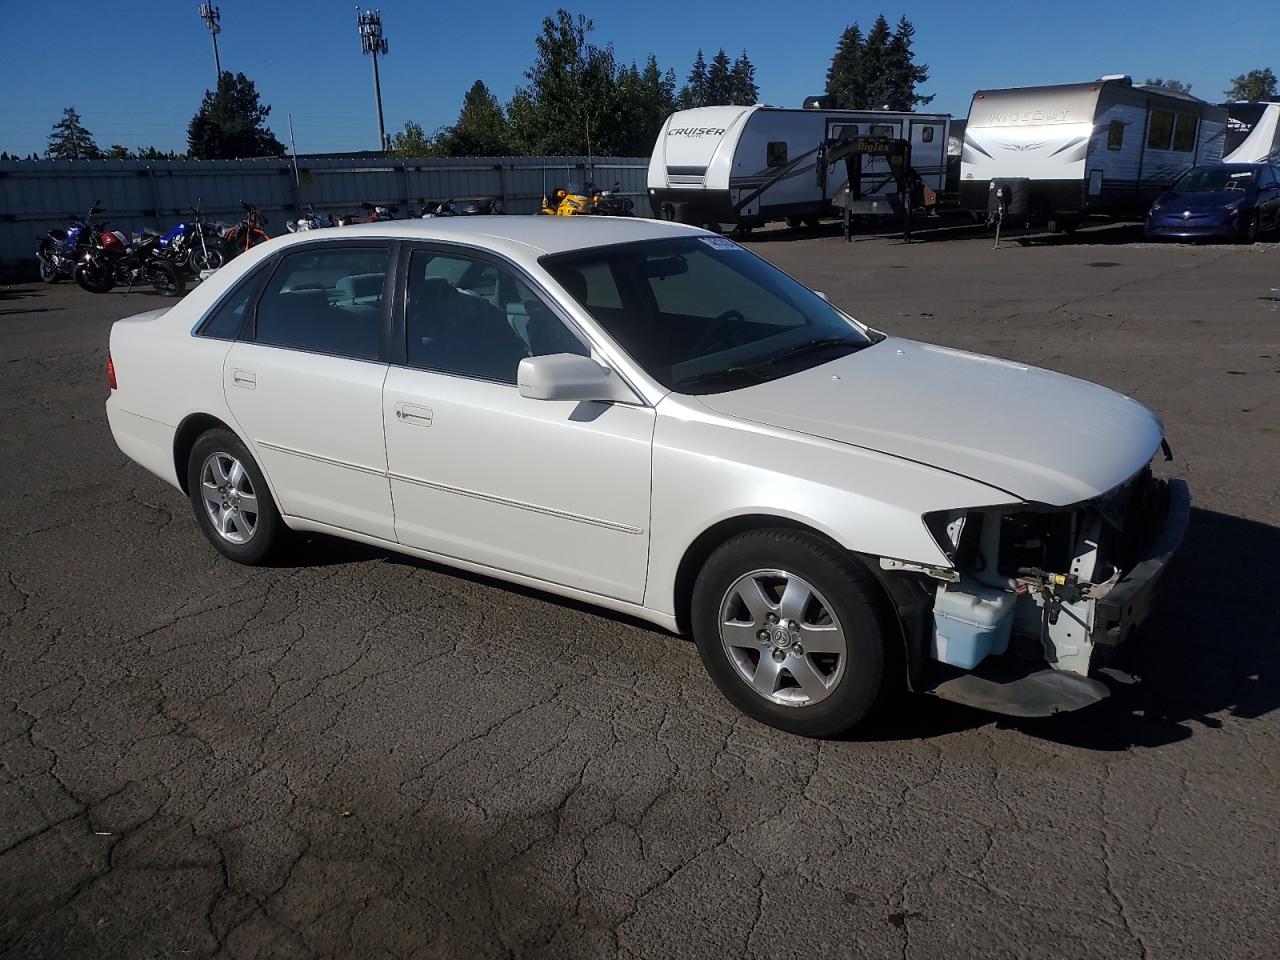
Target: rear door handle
[[414, 414], [244, 378]]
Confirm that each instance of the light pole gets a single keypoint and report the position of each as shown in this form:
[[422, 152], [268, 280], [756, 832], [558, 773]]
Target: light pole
[[374, 43], [211, 16]]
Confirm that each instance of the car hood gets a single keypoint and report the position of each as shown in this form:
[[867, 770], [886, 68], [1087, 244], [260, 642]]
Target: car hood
[[1202, 201], [1038, 435]]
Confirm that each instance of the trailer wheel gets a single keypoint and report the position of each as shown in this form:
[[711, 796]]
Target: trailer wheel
[[795, 222]]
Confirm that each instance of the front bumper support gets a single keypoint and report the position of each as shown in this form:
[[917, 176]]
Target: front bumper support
[[1122, 609]]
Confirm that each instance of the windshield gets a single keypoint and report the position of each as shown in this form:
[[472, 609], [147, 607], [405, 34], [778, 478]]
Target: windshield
[[1214, 179], [702, 315]]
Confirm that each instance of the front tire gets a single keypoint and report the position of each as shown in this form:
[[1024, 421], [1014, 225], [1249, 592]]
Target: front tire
[[165, 279], [93, 279], [231, 500], [48, 269], [792, 631]]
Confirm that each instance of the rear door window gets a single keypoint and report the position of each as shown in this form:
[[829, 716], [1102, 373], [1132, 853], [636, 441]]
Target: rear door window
[[326, 300]]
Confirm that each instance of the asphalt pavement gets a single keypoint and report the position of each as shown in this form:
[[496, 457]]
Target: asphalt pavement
[[362, 755]]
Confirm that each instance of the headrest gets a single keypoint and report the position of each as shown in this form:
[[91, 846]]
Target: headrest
[[361, 285]]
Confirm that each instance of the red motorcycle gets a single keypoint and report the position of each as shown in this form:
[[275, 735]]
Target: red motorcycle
[[374, 213], [249, 232], [112, 261]]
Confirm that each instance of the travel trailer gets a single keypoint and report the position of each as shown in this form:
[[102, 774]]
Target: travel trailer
[[1108, 147], [740, 167], [1253, 132]]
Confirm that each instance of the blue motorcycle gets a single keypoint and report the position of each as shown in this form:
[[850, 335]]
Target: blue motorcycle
[[58, 251], [193, 246]]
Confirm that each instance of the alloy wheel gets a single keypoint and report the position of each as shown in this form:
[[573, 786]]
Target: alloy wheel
[[782, 637], [229, 498]]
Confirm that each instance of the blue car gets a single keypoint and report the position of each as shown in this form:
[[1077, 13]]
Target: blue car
[[1236, 201]]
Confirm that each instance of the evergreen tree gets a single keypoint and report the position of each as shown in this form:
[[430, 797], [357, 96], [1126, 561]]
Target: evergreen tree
[[877, 61], [904, 74], [69, 140], [719, 86], [844, 77], [1254, 85], [231, 123], [742, 82], [644, 98], [694, 93], [481, 129]]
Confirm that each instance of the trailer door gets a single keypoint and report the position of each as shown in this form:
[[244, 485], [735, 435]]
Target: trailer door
[[929, 151]]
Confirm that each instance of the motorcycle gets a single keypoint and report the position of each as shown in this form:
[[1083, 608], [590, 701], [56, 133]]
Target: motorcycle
[[374, 213], [485, 206], [575, 201], [193, 246], [247, 233], [309, 221], [59, 251], [111, 261]]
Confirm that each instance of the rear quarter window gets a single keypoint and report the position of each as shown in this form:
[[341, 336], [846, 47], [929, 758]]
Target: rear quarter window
[[226, 320]]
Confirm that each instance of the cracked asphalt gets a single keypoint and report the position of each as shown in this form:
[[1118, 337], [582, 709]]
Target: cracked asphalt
[[360, 755]]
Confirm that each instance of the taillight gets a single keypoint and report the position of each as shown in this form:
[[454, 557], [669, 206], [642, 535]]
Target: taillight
[[111, 373]]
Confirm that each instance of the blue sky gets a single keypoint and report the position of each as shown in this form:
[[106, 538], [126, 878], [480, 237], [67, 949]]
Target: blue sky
[[136, 70]]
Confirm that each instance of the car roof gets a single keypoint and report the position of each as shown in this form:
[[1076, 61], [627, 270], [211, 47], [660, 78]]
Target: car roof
[[544, 234]]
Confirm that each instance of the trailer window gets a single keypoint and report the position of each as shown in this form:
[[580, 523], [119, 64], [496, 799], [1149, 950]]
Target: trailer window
[[776, 153], [926, 135], [1160, 133], [1115, 135], [1184, 132]]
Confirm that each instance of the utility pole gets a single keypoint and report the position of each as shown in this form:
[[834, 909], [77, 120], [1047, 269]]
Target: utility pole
[[211, 16], [374, 43]]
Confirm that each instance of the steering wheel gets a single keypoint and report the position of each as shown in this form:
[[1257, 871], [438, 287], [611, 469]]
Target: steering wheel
[[719, 327]]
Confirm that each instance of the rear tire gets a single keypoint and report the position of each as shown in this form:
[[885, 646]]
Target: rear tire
[[792, 630], [231, 500]]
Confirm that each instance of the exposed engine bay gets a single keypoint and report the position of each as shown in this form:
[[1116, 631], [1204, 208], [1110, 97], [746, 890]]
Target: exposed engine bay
[[1035, 581]]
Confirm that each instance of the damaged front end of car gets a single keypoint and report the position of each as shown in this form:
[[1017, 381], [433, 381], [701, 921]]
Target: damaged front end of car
[[1037, 597]]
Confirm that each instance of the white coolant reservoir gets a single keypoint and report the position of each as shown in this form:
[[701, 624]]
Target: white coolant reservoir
[[971, 621]]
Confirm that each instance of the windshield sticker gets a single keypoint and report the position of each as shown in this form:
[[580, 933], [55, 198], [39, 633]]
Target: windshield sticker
[[720, 243]]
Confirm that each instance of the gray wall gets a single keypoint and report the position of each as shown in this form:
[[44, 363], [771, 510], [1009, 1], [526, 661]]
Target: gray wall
[[38, 194]]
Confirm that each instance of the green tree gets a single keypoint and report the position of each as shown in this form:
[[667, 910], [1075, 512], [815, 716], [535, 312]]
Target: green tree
[[481, 129], [694, 92], [412, 142], [119, 152], [1176, 86], [904, 74], [844, 76], [565, 108], [231, 123], [1254, 85], [643, 99], [719, 86], [742, 82], [877, 85], [69, 140]]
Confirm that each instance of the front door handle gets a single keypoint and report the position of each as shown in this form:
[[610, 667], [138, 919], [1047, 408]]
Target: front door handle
[[245, 378], [414, 414]]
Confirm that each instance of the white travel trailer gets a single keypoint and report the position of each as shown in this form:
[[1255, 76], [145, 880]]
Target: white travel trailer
[[743, 166], [1253, 132], [1083, 149]]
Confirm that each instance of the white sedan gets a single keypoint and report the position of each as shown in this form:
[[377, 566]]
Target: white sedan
[[650, 418]]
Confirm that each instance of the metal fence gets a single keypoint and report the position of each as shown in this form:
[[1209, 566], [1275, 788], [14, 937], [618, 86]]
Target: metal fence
[[38, 194]]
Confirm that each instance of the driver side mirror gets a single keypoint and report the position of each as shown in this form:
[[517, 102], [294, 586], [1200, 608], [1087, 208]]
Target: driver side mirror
[[823, 295], [567, 376]]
